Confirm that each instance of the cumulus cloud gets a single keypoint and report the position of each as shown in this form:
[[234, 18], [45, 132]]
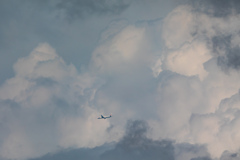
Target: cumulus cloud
[[217, 56], [186, 52], [40, 104], [219, 129], [124, 48], [185, 87], [136, 145]]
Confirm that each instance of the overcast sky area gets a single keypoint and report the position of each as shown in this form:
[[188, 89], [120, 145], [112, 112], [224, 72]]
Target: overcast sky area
[[167, 70]]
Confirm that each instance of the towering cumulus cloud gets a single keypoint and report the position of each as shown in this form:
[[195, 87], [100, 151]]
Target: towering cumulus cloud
[[172, 85], [201, 42], [46, 105]]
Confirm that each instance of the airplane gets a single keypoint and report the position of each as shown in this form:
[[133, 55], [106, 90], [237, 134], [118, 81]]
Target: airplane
[[105, 117]]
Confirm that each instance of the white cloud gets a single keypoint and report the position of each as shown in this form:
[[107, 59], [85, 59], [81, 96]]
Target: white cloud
[[218, 130], [47, 105], [189, 59], [118, 53], [84, 131], [178, 27], [178, 88], [189, 109]]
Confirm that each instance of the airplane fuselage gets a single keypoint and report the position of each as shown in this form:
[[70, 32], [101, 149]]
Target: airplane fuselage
[[104, 117]]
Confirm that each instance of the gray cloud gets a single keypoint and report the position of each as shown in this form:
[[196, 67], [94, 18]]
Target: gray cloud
[[230, 156], [43, 81], [134, 145], [218, 8], [228, 55], [201, 158], [76, 154], [81, 8]]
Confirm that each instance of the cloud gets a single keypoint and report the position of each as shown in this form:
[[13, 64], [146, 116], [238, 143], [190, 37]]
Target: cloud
[[79, 9], [178, 24], [135, 145], [211, 44], [186, 52], [229, 156], [125, 48], [40, 104], [53, 93], [178, 75], [228, 51], [219, 129], [217, 8], [74, 154]]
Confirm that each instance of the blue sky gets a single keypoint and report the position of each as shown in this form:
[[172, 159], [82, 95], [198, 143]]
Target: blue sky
[[168, 71]]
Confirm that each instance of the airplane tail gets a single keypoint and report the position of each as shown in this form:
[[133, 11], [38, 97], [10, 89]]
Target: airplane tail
[[111, 115]]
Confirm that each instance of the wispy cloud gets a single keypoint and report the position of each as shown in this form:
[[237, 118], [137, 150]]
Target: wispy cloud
[[79, 9]]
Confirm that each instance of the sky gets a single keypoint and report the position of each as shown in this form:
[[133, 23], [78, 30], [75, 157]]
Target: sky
[[168, 71]]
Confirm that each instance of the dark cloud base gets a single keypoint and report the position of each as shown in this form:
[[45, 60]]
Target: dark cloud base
[[133, 146], [230, 57], [217, 8], [76, 154]]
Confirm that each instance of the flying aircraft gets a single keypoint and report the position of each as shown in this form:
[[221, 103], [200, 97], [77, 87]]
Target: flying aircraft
[[105, 117]]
